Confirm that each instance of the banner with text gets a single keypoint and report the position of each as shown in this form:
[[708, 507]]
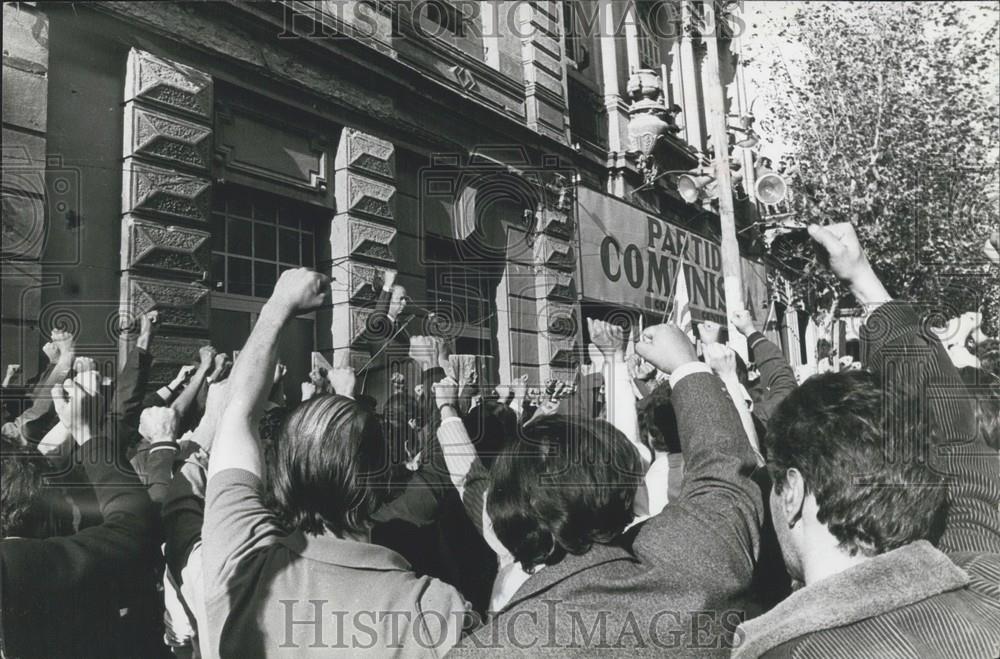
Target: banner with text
[[631, 257]]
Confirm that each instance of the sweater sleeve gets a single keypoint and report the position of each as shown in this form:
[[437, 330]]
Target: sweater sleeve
[[184, 512], [777, 377], [720, 508]]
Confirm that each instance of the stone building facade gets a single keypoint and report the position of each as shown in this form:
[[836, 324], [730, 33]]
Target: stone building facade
[[178, 156]]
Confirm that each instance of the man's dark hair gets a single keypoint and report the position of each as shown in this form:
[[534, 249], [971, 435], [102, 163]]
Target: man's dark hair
[[491, 425], [853, 445], [331, 465], [658, 421], [23, 509], [562, 486]]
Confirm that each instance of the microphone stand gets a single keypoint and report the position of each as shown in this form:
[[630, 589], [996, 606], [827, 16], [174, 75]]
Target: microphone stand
[[402, 326]]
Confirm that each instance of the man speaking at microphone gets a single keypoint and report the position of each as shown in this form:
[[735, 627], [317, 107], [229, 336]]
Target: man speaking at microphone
[[387, 334]]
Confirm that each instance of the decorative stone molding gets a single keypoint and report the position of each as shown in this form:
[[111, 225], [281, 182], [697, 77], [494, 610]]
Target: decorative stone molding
[[150, 189], [178, 250], [367, 154], [554, 253], [157, 135], [362, 232], [357, 238], [159, 81], [366, 196], [554, 223], [562, 351], [180, 306], [558, 286], [169, 353], [360, 278]]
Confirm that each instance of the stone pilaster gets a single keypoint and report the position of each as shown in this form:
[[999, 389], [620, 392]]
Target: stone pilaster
[[361, 235], [25, 195], [556, 308], [544, 72], [166, 202]]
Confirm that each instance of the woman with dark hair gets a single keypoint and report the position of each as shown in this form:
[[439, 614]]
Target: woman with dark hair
[[308, 581]]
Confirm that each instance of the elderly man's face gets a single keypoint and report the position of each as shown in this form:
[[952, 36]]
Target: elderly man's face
[[398, 301]]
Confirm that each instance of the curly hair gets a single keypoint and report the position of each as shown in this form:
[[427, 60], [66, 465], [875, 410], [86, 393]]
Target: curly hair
[[858, 452], [562, 486], [330, 468]]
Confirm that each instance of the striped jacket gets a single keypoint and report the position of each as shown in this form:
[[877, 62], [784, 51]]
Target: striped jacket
[[897, 343], [912, 602]]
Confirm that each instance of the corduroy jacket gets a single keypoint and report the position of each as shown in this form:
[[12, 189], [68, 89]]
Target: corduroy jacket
[[912, 602]]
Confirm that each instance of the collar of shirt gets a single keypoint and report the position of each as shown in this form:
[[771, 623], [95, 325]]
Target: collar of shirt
[[330, 549]]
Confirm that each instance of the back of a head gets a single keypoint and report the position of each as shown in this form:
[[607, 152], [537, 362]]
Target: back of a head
[[332, 467], [860, 456], [491, 426], [564, 485], [27, 508]]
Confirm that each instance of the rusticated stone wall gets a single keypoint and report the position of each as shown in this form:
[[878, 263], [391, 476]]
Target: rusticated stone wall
[[166, 203]]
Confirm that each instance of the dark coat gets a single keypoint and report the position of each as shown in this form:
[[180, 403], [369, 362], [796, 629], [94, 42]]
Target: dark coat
[[677, 584], [911, 602], [388, 343], [62, 596]]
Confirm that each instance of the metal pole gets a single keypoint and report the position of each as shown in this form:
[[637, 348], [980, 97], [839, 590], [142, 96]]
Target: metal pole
[[716, 101]]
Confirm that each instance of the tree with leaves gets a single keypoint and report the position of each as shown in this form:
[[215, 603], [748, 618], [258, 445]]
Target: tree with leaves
[[889, 111]]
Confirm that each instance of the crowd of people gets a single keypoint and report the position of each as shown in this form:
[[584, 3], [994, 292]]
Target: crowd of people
[[673, 499]]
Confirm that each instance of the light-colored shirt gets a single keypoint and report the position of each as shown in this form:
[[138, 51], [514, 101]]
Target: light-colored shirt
[[270, 593]]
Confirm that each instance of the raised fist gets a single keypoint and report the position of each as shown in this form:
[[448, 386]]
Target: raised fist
[[158, 424], [446, 393], [666, 347], [709, 332], [608, 337], [79, 405], [742, 321], [342, 379], [721, 358], [299, 290], [206, 355]]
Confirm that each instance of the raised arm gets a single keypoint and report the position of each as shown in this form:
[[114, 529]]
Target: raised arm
[[102, 556], [776, 376], [717, 495], [130, 385], [918, 374], [237, 519], [61, 351], [206, 360], [467, 473], [610, 341], [236, 444]]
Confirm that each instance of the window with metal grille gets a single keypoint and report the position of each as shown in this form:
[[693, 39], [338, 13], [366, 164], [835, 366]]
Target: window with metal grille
[[456, 290], [256, 237], [649, 45], [576, 49]]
